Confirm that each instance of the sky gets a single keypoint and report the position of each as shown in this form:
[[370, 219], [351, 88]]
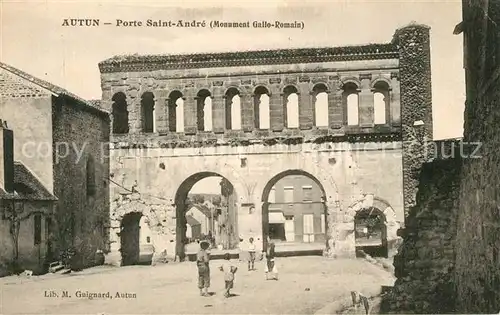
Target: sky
[[33, 39]]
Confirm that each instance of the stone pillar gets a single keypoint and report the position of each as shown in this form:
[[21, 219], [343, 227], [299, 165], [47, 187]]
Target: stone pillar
[[190, 112], [114, 256], [366, 110], [413, 43], [218, 110], [335, 108], [276, 109], [249, 222], [331, 209], [395, 104], [160, 110], [306, 114], [247, 114], [345, 244]]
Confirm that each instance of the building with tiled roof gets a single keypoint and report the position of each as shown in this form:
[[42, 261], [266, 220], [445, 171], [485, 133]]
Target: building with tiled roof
[[57, 160]]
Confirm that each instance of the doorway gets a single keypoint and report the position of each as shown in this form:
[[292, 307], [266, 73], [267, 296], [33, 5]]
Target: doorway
[[130, 238]]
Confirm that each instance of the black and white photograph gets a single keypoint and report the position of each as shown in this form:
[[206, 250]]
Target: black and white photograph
[[249, 157]]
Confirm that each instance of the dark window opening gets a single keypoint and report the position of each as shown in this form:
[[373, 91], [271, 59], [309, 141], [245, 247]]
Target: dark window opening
[[120, 114], [91, 185], [38, 229]]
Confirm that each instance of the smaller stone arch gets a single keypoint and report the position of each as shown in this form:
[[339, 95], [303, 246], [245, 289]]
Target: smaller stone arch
[[157, 217], [232, 87], [392, 225], [319, 84], [290, 87], [352, 80], [261, 87], [380, 79]]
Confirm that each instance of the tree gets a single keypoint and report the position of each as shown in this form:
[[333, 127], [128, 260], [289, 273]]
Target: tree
[[217, 201], [198, 199], [15, 214]]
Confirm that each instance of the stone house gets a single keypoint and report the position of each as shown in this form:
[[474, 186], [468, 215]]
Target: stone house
[[205, 216], [24, 203], [63, 141]]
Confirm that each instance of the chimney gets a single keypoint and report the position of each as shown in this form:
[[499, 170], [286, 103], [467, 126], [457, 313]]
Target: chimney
[[6, 157]]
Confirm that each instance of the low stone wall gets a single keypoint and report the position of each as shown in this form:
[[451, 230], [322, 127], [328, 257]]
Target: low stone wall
[[425, 262]]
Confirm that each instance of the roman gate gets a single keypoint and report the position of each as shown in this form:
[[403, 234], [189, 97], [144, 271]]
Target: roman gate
[[349, 118]]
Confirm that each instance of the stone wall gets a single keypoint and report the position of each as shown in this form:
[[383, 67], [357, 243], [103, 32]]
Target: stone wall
[[81, 171], [477, 273], [425, 262], [413, 44]]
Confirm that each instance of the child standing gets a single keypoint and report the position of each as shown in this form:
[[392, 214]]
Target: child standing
[[229, 270], [271, 265], [202, 262], [251, 254]]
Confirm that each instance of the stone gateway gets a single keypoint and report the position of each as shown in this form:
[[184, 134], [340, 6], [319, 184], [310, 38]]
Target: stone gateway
[[344, 117]]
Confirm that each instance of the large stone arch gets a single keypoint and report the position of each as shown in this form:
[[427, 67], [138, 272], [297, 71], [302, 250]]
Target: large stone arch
[[182, 190], [223, 170], [323, 179]]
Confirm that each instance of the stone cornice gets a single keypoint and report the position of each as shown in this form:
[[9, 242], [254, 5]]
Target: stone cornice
[[136, 63], [181, 141]]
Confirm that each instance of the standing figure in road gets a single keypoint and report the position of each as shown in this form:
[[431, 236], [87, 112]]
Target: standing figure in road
[[251, 254], [271, 269], [229, 270], [202, 262]]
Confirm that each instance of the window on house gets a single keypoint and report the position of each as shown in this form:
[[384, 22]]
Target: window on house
[[38, 228], [291, 112], [307, 193], [261, 108], [233, 109], [147, 111], [176, 112], [91, 184], [320, 105], [120, 113], [288, 194]]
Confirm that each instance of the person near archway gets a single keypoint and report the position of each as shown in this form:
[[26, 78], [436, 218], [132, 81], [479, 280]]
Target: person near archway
[[271, 268], [251, 254], [202, 262]]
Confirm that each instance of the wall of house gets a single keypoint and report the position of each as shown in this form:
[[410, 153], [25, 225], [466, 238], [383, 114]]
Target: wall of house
[[298, 207], [31, 256], [27, 110], [82, 212]]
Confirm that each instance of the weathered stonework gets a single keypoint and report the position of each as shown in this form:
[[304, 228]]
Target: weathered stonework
[[424, 264], [414, 74], [347, 160]]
